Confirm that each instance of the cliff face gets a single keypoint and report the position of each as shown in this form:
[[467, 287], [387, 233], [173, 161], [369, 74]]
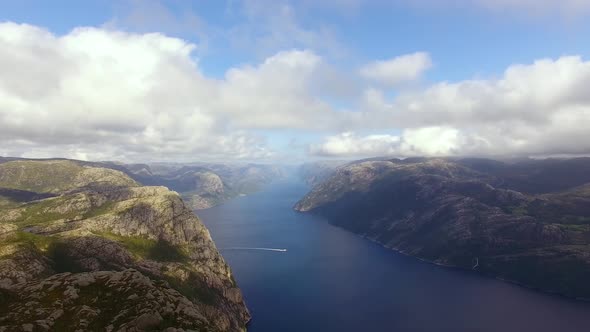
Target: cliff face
[[451, 214], [105, 253]]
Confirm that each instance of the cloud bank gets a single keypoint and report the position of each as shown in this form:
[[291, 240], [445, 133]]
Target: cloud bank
[[106, 94], [121, 95], [536, 109]]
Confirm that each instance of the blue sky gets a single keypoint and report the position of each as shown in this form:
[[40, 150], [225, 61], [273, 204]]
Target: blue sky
[[341, 86], [464, 41]]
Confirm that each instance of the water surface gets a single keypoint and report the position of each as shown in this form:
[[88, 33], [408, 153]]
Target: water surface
[[332, 280]]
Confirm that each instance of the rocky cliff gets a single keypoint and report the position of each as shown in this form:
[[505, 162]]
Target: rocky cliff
[[88, 248], [465, 213], [204, 185]]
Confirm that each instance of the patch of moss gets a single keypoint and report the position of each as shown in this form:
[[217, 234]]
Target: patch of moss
[[165, 252], [137, 245], [583, 220], [41, 242], [111, 302], [7, 203], [115, 307], [195, 288], [555, 269], [575, 228], [39, 177], [143, 247], [518, 210], [98, 211], [36, 213]]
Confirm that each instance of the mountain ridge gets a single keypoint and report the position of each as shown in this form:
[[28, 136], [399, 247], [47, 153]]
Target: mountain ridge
[[89, 237], [445, 212]]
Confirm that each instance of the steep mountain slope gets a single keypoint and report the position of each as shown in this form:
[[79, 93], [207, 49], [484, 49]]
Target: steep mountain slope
[[89, 248], [443, 211], [201, 185], [534, 176], [314, 173], [206, 185]]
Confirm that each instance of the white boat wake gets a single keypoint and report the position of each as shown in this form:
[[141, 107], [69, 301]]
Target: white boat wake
[[247, 248]]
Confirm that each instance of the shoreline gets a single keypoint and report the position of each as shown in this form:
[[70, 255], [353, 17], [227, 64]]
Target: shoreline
[[456, 267]]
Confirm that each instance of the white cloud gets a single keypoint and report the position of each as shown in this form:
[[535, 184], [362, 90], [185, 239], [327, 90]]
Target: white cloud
[[428, 141], [399, 69], [541, 108], [528, 93], [276, 94], [349, 144], [536, 109], [107, 94], [141, 96]]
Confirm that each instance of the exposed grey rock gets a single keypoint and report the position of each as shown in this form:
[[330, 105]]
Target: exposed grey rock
[[95, 231], [205, 185]]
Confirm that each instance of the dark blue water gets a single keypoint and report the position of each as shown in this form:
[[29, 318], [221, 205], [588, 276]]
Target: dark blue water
[[332, 280]]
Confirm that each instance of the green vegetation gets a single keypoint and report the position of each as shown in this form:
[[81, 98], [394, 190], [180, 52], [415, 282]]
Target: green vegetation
[[520, 210], [39, 177], [43, 205], [43, 211], [101, 210], [41, 242], [57, 176], [576, 228], [112, 300], [143, 247], [195, 288], [558, 269], [37, 212], [7, 203], [581, 220]]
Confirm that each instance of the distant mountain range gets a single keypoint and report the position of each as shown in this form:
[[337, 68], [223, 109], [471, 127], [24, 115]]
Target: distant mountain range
[[86, 247], [527, 221], [205, 185], [201, 185]]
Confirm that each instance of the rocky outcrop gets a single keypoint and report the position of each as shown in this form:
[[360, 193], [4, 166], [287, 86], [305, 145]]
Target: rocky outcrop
[[124, 300], [208, 190], [205, 185], [106, 253], [443, 211], [57, 176], [314, 173]]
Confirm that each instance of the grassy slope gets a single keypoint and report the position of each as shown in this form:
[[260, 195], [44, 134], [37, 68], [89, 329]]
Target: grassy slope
[[40, 177], [56, 176]]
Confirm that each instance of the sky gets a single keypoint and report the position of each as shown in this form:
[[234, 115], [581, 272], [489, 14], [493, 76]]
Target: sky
[[290, 81]]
